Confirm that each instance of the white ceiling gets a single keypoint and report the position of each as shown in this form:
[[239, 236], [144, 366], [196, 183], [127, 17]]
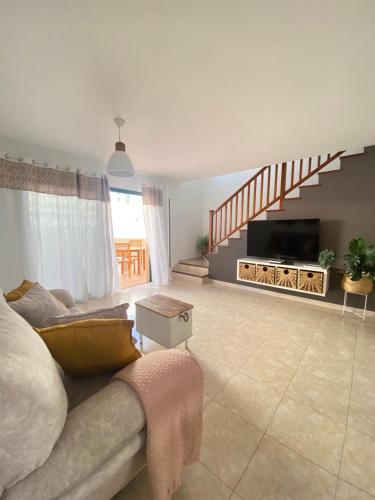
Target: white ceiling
[[206, 86]]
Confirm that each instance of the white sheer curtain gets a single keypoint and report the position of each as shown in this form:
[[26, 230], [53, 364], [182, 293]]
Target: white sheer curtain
[[60, 241], [156, 231]]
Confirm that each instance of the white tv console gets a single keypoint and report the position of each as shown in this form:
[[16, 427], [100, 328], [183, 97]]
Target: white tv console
[[304, 278]]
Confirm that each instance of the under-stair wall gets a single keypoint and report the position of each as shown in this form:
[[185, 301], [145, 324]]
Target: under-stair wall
[[345, 203]]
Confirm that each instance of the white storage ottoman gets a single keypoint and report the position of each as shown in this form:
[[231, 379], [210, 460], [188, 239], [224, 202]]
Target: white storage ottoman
[[164, 320]]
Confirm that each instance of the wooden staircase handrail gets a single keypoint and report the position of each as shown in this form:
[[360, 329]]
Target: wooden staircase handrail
[[241, 188], [257, 191]]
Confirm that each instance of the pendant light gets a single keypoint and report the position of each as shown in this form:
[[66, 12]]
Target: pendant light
[[119, 163]]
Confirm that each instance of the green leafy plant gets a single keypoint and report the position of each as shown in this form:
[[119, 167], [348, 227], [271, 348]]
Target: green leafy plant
[[327, 258], [360, 262], [202, 245]]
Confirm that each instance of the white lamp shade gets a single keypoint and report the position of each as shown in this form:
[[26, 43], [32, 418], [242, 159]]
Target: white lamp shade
[[120, 165]]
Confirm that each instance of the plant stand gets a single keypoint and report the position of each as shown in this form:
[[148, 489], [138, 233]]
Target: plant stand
[[346, 309]]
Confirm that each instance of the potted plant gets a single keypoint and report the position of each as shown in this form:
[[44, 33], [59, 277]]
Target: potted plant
[[327, 258], [359, 267], [202, 245]]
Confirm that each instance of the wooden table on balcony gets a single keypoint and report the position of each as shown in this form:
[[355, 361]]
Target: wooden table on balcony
[[126, 255]]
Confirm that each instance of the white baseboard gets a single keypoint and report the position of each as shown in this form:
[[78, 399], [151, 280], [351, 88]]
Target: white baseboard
[[305, 300]]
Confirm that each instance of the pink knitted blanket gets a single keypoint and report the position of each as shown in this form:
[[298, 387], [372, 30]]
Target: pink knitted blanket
[[170, 386]]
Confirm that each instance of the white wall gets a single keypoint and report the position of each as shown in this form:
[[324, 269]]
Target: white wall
[[53, 156], [186, 202], [217, 189]]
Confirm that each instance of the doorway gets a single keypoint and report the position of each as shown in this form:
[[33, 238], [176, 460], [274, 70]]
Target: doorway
[[132, 255]]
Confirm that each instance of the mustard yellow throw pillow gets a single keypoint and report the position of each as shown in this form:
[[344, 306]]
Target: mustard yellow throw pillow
[[18, 292], [91, 346]]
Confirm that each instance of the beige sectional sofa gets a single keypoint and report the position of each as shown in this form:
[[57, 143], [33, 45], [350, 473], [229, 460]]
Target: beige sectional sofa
[[59, 437]]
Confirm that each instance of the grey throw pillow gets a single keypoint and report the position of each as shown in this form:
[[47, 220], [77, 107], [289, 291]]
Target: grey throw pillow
[[119, 312], [37, 305]]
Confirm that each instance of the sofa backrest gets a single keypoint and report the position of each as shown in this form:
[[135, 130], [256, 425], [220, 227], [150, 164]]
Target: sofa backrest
[[33, 402]]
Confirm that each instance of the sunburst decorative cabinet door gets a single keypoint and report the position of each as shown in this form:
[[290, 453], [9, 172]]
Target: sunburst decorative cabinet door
[[246, 271], [265, 274], [310, 281], [307, 278], [286, 277]]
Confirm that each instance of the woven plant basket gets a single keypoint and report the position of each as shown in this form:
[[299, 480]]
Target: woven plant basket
[[363, 286]]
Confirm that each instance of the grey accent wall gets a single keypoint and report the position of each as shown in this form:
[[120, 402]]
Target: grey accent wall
[[345, 204]]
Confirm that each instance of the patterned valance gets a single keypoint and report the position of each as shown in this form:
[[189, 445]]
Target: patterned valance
[[27, 177], [152, 195]]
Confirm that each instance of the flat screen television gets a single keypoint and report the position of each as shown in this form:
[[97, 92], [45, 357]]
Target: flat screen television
[[292, 240]]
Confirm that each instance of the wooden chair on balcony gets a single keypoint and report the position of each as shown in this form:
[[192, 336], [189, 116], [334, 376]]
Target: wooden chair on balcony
[[138, 250], [124, 258]]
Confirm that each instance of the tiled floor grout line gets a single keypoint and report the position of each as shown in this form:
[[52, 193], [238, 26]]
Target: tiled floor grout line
[[272, 438], [347, 415], [336, 420], [249, 462], [277, 407], [260, 441], [238, 416], [238, 371], [217, 477], [291, 380]]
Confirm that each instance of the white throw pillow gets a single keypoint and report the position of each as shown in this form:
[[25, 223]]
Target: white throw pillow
[[33, 402], [38, 305]]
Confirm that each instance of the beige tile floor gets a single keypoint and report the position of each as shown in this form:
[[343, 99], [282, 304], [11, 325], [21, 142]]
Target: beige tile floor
[[289, 398]]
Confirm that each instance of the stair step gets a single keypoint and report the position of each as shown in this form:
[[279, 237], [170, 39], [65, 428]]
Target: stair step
[[353, 152], [323, 172], [293, 198], [310, 186], [192, 270], [351, 155], [196, 262], [276, 210], [200, 280], [224, 243]]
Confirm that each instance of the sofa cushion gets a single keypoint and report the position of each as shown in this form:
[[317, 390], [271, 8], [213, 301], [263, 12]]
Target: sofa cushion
[[18, 292], [33, 402], [117, 312], [80, 389], [97, 430], [92, 346], [37, 305], [63, 296]]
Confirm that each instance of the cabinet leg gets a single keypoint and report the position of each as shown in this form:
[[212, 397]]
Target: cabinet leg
[[187, 344], [141, 341]]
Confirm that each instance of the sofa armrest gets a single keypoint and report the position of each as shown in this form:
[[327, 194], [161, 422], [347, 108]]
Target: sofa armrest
[[94, 431], [63, 296]]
